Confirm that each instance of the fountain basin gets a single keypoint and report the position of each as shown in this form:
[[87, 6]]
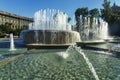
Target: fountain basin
[[100, 46], [50, 37], [85, 43], [47, 46]]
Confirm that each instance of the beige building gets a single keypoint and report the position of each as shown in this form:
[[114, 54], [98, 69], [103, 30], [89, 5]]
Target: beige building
[[15, 21]]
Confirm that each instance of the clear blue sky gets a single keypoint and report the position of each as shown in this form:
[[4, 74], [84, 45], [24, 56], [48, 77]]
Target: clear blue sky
[[28, 7]]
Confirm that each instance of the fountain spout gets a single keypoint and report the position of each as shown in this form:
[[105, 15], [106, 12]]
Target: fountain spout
[[12, 47]]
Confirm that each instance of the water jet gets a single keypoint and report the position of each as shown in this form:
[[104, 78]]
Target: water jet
[[50, 28], [12, 47]]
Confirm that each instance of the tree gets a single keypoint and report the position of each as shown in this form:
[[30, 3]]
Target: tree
[[94, 12], [69, 19], [80, 11], [1, 33], [106, 12]]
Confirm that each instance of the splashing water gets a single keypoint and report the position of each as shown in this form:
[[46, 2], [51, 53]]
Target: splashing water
[[95, 31], [86, 59], [104, 52], [50, 19], [116, 47], [63, 54], [12, 47]]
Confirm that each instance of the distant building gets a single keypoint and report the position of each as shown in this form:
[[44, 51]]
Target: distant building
[[15, 21], [116, 9]]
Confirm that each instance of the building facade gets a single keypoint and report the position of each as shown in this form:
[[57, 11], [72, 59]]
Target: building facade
[[15, 21]]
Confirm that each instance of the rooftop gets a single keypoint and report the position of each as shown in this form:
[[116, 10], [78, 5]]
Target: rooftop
[[15, 15]]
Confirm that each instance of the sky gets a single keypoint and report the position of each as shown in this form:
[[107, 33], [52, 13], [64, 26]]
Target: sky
[[27, 8]]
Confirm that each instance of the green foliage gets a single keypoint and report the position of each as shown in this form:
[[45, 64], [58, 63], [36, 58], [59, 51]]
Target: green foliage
[[17, 31], [94, 12], [1, 33], [107, 11], [80, 11], [69, 19], [86, 13], [115, 18], [108, 15], [7, 29]]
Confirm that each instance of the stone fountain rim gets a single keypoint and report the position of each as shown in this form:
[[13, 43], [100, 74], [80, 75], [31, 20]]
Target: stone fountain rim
[[53, 30], [47, 46], [35, 44]]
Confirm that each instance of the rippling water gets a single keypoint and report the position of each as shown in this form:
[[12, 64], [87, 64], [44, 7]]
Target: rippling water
[[48, 64]]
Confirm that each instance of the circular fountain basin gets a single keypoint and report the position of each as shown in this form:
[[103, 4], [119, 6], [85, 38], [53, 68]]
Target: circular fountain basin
[[47, 46], [50, 38]]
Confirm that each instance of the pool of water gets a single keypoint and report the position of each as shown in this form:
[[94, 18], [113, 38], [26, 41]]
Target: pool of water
[[109, 46], [6, 44], [107, 66], [52, 64], [63, 64], [5, 53]]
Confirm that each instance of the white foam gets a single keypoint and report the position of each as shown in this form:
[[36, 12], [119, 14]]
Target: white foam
[[63, 54]]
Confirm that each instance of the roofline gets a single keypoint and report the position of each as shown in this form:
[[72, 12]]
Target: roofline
[[15, 15]]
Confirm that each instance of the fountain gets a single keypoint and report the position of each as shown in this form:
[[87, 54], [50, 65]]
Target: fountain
[[50, 28], [95, 29], [12, 47]]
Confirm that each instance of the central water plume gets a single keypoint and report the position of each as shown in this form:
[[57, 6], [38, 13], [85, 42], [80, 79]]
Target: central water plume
[[50, 19]]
